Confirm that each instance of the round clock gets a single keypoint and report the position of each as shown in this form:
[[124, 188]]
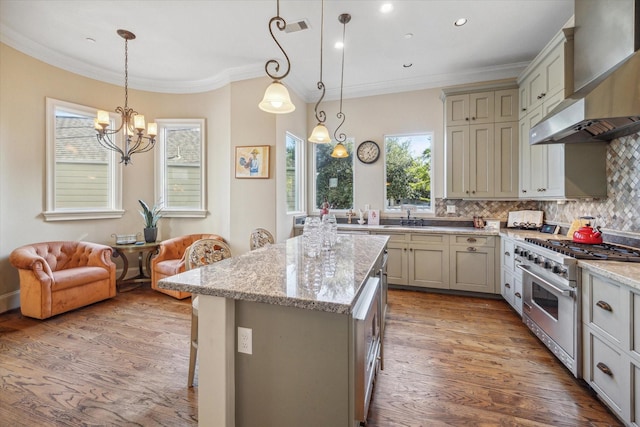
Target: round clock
[[368, 152]]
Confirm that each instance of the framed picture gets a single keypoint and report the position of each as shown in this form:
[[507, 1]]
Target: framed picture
[[252, 161]]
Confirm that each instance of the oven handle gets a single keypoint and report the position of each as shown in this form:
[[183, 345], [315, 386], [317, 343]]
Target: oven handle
[[565, 292]]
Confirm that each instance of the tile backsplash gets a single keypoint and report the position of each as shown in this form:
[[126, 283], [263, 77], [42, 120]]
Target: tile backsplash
[[620, 211]]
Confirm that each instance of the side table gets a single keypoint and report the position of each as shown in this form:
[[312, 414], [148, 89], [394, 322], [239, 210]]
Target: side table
[[144, 264]]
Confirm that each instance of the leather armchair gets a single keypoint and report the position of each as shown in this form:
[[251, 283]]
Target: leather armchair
[[170, 260], [56, 277]]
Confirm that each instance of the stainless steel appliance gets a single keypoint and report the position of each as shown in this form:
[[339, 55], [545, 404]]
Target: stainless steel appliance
[[551, 291], [367, 316]]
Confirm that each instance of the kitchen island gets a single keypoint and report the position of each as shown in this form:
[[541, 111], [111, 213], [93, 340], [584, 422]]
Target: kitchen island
[[306, 317]]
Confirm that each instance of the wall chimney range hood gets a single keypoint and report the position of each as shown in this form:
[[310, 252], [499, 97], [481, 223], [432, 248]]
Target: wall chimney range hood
[[606, 102]]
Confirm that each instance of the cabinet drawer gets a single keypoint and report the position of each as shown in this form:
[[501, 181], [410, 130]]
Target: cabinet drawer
[[507, 256], [604, 308], [606, 372], [436, 239], [394, 237], [488, 241]]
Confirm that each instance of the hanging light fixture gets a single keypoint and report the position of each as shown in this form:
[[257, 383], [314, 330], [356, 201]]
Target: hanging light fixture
[[340, 150], [320, 134], [132, 123], [276, 98]]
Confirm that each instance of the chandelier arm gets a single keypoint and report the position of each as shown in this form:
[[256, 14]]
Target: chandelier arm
[[281, 24], [105, 141]]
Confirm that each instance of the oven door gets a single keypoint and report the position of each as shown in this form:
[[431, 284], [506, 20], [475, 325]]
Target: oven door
[[552, 307]]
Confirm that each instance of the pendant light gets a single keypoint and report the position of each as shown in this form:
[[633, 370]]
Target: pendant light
[[276, 98], [320, 134], [340, 151]]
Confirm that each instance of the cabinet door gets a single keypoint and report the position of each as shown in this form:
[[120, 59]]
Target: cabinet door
[[506, 105], [429, 266], [525, 164], [533, 165], [506, 159], [537, 88], [481, 161], [472, 268], [553, 68], [517, 292], [507, 286], [481, 107], [457, 110], [397, 263], [457, 161], [523, 98], [507, 256]]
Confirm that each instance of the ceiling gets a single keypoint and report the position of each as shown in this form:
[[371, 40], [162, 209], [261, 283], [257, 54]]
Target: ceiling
[[194, 46]]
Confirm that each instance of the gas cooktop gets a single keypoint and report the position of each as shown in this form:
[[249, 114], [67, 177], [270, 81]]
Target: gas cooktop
[[601, 251]]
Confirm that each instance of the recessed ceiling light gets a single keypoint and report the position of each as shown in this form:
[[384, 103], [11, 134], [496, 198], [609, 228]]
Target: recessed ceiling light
[[460, 22], [339, 45], [408, 35], [386, 8]]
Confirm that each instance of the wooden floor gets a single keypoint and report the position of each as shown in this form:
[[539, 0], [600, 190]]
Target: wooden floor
[[453, 361]]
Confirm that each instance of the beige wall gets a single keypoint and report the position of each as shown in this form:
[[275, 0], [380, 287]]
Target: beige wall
[[376, 116]]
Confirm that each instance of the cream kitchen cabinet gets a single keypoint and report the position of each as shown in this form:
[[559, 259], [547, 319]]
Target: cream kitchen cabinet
[[472, 263], [510, 275], [398, 259], [472, 108], [611, 332]]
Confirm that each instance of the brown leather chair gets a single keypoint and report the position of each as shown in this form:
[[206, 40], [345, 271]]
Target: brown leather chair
[[56, 277], [170, 260]]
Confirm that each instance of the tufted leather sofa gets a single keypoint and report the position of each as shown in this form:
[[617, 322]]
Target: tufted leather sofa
[[170, 260], [56, 277]]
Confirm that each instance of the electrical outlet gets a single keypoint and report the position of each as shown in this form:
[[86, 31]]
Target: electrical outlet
[[245, 340], [451, 208]]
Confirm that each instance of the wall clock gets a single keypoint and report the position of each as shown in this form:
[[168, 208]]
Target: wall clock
[[368, 152]]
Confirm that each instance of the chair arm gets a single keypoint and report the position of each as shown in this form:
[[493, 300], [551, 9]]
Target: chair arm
[[26, 258], [99, 255]]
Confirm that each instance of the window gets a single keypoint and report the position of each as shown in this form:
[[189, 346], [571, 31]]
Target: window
[[408, 171], [180, 169], [83, 178], [295, 172], [333, 177]]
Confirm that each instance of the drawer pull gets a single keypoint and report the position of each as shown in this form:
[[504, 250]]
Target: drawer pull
[[518, 295], [507, 285], [604, 368], [471, 249], [507, 253], [471, 239], [605, 306]]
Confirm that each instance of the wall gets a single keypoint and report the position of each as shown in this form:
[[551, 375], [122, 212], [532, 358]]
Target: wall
[[620, 211], [232, 118]]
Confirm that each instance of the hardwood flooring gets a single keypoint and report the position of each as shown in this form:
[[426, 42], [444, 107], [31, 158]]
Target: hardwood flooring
[[453, 361]]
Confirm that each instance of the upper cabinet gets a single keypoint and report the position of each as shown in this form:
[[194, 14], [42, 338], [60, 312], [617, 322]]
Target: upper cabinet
[[555, 171], [482, 143]]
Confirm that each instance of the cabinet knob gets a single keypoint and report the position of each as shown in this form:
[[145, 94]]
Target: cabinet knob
[[473, 118], [605, 306], [605, 369], [524, 109], [517, 294], [524, 191], [467, 191], [410, 249], [507, 253], [466, 118], [507, 285], [471, 249], [473, 192]]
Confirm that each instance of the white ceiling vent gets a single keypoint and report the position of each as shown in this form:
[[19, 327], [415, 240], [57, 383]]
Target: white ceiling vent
[[297, 26]]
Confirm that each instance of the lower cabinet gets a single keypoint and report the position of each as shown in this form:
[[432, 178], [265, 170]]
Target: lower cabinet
[[611, 357], [510, 276], [442, 261]]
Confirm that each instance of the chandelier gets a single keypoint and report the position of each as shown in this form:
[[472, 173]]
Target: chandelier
[[132, 124], [276, 98], [340, 150], [320, 134]]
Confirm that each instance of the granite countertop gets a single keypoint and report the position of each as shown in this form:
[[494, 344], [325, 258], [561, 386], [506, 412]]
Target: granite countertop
[[627, 273], [428, 229], [281, 274]]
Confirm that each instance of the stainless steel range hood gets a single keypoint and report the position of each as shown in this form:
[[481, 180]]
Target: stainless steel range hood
[[606, 104]]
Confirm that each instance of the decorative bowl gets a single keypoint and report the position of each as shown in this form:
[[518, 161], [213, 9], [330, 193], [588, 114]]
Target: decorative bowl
[[125, 239]]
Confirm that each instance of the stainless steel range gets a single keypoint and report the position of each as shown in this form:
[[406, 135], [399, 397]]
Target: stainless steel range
[[551, 291]]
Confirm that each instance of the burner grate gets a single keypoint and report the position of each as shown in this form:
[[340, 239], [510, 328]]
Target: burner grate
[[600, 251]]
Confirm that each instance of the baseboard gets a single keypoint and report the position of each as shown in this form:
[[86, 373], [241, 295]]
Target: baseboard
[[9, 301]]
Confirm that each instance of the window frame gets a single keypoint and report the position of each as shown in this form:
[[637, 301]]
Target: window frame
[[316, 209], [114, 196], [299, 173], [161, 164], [419, 210]]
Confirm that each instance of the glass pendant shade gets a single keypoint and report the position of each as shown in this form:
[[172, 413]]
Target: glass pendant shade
[[276, 99], [340, 151], [320, 135]]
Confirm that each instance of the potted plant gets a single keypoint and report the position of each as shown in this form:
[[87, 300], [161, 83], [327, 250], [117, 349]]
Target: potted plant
[[151, 217]]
